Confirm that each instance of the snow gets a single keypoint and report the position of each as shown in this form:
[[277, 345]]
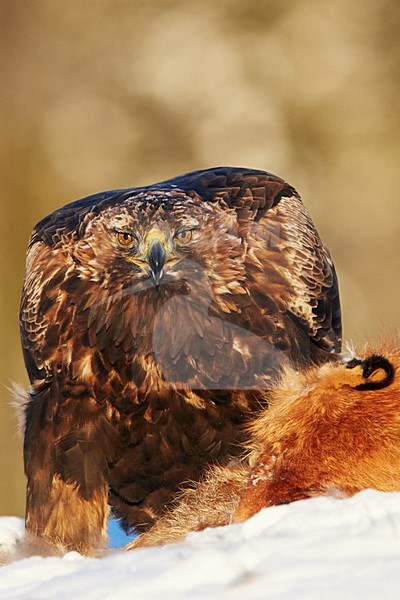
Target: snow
[[320, 548]]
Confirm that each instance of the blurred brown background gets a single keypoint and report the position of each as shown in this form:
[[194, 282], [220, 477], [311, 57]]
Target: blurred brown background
[[114, 93]]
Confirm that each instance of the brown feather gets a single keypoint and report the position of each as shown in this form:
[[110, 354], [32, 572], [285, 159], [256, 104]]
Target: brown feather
[[137, 387]]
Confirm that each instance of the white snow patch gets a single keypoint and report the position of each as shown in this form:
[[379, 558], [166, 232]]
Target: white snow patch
[[323, 548]]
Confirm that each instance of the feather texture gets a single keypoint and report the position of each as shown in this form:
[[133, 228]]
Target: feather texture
[[138, 384]]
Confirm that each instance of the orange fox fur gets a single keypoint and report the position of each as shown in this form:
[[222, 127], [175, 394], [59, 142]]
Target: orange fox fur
[[330, 429]]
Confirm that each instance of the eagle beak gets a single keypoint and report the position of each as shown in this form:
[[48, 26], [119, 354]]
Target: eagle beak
[[156, 258]]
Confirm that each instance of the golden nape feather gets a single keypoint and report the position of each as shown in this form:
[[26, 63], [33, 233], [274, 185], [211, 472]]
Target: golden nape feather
[[153, 322]]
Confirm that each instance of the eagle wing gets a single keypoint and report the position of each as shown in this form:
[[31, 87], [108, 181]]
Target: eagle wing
[[67, 444], [271, 212]]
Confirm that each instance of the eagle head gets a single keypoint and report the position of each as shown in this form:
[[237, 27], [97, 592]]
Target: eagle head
[[162, 243]]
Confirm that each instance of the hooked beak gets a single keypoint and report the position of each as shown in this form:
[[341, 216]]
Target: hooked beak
[[156, 258]]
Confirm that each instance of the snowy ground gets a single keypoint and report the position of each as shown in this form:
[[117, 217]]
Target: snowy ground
[[313, 549]]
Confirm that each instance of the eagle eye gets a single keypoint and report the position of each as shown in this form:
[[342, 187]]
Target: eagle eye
[[125, 239], [183, 237]]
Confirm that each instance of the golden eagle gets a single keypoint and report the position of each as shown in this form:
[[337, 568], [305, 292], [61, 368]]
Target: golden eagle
[[153, 321]]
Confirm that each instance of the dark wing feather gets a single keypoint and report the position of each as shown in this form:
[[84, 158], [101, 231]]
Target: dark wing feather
[[309, 269], [67, 219], [247, 190], [273, 212], [38, 308]]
